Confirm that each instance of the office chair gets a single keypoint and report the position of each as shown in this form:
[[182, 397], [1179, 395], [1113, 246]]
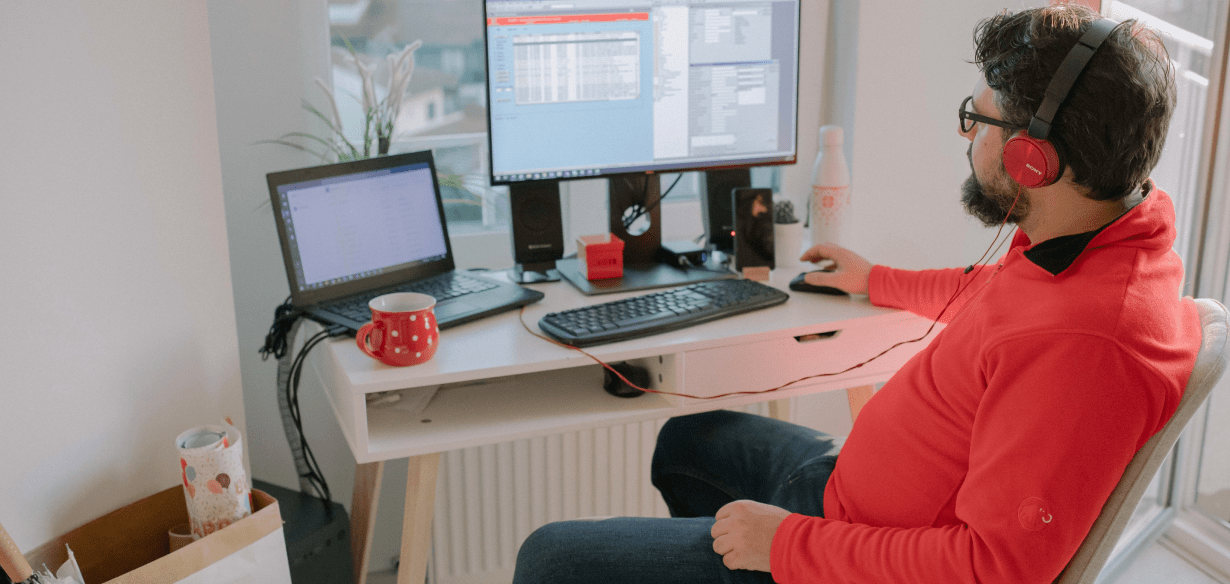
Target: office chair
[[1085, 566], [1089, 559]]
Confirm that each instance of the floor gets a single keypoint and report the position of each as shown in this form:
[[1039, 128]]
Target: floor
[[1155, 565]]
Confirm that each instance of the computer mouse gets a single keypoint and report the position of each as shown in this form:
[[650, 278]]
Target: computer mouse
[[616, 386], [799, 285]]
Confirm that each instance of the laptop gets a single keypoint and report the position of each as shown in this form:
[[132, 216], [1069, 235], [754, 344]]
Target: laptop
[[355, 230]]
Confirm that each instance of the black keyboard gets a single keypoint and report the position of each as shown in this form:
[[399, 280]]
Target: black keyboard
[[658, 312], [442, 287]]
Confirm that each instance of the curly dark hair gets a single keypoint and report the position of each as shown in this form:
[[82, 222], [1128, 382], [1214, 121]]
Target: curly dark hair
[[1111, 128]]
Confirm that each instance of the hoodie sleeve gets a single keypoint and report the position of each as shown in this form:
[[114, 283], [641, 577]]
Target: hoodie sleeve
[[1049, 444], [924, 292]]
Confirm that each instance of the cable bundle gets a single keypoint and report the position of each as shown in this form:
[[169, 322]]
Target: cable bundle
[[281, 336]]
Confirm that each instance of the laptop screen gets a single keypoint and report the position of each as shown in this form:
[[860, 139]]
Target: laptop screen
[[361, 222]]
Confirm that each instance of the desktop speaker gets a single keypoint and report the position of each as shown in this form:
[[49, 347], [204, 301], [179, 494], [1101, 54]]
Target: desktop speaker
[[537, 225], [716, 209]]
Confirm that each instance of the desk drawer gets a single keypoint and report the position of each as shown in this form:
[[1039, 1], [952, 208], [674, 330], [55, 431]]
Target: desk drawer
[[771, 363]]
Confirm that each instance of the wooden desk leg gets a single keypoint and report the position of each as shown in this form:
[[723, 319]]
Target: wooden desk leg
[[416, 524], [367, 479], [858, 397], [779, 409]]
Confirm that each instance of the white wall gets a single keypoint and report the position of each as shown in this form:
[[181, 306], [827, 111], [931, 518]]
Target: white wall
[[115, 289], [266, 56], [907, 159]]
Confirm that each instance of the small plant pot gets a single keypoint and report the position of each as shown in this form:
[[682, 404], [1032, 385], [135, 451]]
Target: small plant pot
[[788, 244]]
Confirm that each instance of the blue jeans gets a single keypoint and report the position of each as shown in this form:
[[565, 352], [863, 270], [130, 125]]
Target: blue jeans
[[700, 463]]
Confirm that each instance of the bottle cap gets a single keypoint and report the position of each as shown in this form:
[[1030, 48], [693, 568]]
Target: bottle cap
[[831, 135]]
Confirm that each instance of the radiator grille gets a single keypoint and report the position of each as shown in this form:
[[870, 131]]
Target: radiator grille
[[490, 498]]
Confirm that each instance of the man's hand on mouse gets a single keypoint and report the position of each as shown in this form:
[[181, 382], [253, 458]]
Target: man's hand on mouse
[[848, 272]]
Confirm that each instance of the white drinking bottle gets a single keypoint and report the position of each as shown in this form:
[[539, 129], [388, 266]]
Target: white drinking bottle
[[830, 190]]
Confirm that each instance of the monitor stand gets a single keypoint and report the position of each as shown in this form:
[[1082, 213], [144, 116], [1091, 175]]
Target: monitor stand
[[630, 195], [640, 277]]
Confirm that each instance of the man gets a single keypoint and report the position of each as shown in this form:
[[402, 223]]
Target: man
[[988, 456]]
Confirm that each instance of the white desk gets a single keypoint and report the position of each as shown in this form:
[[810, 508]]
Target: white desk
[[512, 385]]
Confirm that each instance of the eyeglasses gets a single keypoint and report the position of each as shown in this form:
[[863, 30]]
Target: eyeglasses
[[968, 118]]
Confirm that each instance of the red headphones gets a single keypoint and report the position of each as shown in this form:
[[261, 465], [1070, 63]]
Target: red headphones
[[1029, 158]]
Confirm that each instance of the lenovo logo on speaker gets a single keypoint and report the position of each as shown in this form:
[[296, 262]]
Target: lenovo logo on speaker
[[539, 246]]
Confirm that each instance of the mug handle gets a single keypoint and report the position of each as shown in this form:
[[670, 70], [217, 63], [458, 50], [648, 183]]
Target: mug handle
[[362, 339]]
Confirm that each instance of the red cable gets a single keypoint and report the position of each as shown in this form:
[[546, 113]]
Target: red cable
[[960, 289]]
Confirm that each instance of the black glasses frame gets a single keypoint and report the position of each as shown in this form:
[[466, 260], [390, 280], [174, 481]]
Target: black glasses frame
[[967, 119]]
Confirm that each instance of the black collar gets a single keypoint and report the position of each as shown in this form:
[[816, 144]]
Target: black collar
[[1057, 254]]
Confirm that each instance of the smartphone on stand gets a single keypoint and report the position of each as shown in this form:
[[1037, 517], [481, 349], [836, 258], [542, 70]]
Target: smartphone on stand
[[753, 227]]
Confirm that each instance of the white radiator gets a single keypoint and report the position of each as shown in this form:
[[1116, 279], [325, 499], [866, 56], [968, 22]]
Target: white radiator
[[490, 498]]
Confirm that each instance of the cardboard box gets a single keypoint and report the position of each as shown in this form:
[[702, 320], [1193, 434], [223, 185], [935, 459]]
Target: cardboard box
[[130, 545], [600, 256]]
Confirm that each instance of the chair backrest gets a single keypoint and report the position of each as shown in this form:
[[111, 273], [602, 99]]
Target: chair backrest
[[1210, 363]]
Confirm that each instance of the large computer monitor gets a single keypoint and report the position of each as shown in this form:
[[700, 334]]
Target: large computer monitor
[[590, 88]]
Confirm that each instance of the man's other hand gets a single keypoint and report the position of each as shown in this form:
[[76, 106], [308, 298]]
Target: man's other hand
[[850, 271], [743, 534]]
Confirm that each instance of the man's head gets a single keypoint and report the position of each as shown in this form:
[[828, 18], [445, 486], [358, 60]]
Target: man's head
[[1110, 130]]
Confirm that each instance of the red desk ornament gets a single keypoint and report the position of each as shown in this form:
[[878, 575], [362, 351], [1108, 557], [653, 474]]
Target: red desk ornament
[[600, 256]]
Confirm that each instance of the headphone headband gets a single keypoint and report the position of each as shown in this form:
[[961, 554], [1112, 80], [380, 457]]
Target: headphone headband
[[1065, 77], [1029, 158]]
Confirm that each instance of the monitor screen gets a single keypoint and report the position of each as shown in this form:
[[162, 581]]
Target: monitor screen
[[585, 88]]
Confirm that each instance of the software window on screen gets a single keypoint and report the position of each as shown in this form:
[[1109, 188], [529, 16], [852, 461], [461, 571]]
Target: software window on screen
[[596, 87]]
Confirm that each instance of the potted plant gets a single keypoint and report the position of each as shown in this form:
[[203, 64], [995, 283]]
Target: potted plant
[[787, 234], [380, 113]]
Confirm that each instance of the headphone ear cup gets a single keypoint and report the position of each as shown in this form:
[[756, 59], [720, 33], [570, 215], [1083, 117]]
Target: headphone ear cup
[[1031, 162]]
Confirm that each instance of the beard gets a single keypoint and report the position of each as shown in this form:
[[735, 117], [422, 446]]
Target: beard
[[990, 202]]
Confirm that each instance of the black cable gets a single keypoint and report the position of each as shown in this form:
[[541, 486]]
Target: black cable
[[645, 207], [323, 487], [277, 340], [284, 317], [314, 474], [701, 266]]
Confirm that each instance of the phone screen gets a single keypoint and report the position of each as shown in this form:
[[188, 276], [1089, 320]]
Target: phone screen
[[753, 227]]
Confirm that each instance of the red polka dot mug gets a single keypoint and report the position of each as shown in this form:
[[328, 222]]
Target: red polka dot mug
[[403, 330]]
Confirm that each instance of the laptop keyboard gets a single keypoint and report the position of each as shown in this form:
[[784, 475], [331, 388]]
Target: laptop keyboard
[[442, 287]]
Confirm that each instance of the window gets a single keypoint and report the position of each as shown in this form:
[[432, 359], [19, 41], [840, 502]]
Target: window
[[446, 106], [1196, 487]]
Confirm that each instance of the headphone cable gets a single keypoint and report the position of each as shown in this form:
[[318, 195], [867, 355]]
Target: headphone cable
[[961, 287]]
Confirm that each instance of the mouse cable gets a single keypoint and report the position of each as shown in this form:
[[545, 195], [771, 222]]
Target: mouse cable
[[961, 287], [749, 392]]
